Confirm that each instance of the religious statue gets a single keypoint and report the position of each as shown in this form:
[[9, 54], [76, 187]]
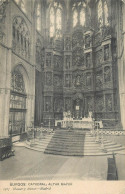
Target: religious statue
[[90, 114], [78, 80]]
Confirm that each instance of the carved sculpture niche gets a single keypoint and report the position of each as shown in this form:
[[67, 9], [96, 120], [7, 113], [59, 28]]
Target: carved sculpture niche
[[90, 103], [77, 44], [67, 43], [108, 100], [48, 106], [99, 57], [77, 80], [107, 74], [88, 79], [48, 59], [58, 104], [67, 80], [99, 103], [99, 79], [67, 104], [57, 61], [57, 81], [88, 41], [88, 60], [67, 62], [106, 52], [48, 78], [77, 39]]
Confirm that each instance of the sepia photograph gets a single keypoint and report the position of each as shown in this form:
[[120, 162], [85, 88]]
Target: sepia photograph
[[62, 96]]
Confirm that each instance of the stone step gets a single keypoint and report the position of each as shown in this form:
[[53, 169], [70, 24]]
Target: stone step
[[115, 149], [76, 142]]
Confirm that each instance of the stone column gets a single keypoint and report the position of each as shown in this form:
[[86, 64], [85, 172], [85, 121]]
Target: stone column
[[5, 79], [121, 59]]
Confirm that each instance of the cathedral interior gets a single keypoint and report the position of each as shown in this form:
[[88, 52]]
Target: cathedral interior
[[61, 56]]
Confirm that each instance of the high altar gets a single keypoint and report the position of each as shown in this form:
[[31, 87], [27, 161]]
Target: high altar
[[75, 123]]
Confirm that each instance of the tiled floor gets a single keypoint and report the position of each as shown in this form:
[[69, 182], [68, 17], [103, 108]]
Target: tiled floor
[[31, 165]]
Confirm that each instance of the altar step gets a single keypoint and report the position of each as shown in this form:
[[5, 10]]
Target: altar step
[[72, 143], [39, 144]]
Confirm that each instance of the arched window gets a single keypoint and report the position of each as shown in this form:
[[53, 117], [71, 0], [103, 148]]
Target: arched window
[[56, 20], [103, 13], [75, 18], [21, 37], [106, 14], [100, 12], [78, 13], [82, 17], [52, 21], [38, 17]]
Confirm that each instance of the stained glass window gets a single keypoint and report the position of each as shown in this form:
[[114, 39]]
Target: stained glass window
[[75, 18], [17, 83], [58, 23], [56, 20], [106, 13], [100, 12], [78, 13], [38, 20], [82, 17], [103, 13], [52, 20], [23, 5]]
